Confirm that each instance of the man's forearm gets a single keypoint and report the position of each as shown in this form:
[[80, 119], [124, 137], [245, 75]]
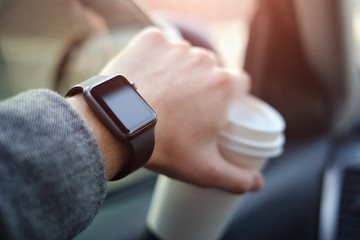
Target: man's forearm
[[114, 152], [52, 171]]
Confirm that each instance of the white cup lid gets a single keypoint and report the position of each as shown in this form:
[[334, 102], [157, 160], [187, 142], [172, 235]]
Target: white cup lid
[[252, 118], [239, 148], [277, 141]]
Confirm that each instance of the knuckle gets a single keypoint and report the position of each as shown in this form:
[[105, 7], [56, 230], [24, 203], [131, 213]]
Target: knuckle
[[211, 56], [181, 48], [222, 79], [182, 45], [204, 56], [152, 34]]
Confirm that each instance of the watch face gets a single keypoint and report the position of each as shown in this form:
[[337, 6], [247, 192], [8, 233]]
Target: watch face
[[126, 108]]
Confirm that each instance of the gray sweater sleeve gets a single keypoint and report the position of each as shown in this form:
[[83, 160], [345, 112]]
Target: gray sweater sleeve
[[52, 173]]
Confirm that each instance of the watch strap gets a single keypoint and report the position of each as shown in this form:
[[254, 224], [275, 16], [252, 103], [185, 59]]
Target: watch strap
[[80, 88], [141, 148]]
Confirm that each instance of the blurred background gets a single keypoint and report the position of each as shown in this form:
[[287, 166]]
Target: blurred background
[[70, 29], [302, 55]]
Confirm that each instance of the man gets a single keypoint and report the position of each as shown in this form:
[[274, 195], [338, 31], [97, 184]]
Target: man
[[56, 155]]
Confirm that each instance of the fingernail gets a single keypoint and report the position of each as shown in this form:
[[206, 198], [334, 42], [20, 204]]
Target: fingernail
[[258, 183]]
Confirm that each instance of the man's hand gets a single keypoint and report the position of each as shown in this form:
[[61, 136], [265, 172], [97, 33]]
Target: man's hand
[[190, 93]]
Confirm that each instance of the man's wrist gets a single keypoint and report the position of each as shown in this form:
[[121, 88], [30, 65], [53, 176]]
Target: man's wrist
[[114, 151]]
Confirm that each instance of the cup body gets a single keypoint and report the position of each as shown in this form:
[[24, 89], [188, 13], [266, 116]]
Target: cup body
[[183, 211]]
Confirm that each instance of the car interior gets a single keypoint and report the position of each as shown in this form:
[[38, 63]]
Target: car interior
[[304, 59]]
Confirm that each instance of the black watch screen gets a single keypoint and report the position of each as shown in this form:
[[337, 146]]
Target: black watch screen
[[120, 100]]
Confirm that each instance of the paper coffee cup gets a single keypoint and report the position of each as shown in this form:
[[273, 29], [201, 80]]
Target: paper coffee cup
[[178, 210], [183, 211]]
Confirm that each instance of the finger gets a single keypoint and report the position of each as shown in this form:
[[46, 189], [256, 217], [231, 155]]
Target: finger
[[233, 178], [240, 180]]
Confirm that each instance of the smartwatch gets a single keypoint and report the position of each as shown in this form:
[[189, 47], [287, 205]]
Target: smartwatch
[[125, 113]]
